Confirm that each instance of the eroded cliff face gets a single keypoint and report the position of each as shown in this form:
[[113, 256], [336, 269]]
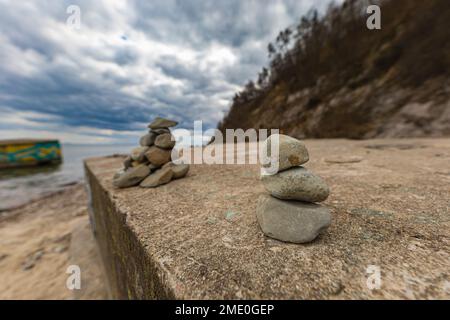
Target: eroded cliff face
[[372, 110], [393, 82]]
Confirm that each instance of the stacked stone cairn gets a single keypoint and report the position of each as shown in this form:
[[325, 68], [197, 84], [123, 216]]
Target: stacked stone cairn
[[291, 213], [149, 165]]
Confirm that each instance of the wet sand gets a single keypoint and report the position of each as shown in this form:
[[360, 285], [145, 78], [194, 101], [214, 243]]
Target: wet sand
[[40, 240]]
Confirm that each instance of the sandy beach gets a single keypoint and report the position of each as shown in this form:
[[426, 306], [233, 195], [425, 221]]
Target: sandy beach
[[40, 240]]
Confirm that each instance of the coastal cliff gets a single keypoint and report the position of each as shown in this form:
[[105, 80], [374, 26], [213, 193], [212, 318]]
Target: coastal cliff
[[332, 77]]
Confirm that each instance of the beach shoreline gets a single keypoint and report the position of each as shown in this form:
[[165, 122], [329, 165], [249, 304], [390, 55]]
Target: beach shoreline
[[6, 213], [40, 240]]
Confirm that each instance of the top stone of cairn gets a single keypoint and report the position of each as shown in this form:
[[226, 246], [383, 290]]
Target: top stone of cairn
[[291, 152], [161, 123]]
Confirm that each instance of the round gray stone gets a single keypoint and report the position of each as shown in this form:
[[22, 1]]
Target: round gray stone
[[291, 221], [153, 167], [296, 184], [138, 154], [158, 156], [161, 123], [160, 131], [292, 152], [157, 178], [127, 162], [131, 177], [165, 141], [118, 174], [179, 170], [137, 163], [148, 140]]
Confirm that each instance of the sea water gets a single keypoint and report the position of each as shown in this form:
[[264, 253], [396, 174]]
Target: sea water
[[21, 185]]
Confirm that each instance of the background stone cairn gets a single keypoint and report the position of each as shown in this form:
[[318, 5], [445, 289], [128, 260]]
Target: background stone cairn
[[290, 212], [149, 165]]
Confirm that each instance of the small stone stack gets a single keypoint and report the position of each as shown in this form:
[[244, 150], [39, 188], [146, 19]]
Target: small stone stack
[[290, 212], [149, 165]]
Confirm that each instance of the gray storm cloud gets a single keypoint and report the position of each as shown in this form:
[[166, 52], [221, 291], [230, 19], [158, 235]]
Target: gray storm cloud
[[129, 62]]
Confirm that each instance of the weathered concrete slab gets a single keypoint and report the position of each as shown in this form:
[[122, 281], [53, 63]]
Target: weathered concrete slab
[[198, 237]]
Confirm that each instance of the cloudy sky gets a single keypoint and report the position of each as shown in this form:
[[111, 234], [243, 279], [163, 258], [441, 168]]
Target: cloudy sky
[[128, 62]]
